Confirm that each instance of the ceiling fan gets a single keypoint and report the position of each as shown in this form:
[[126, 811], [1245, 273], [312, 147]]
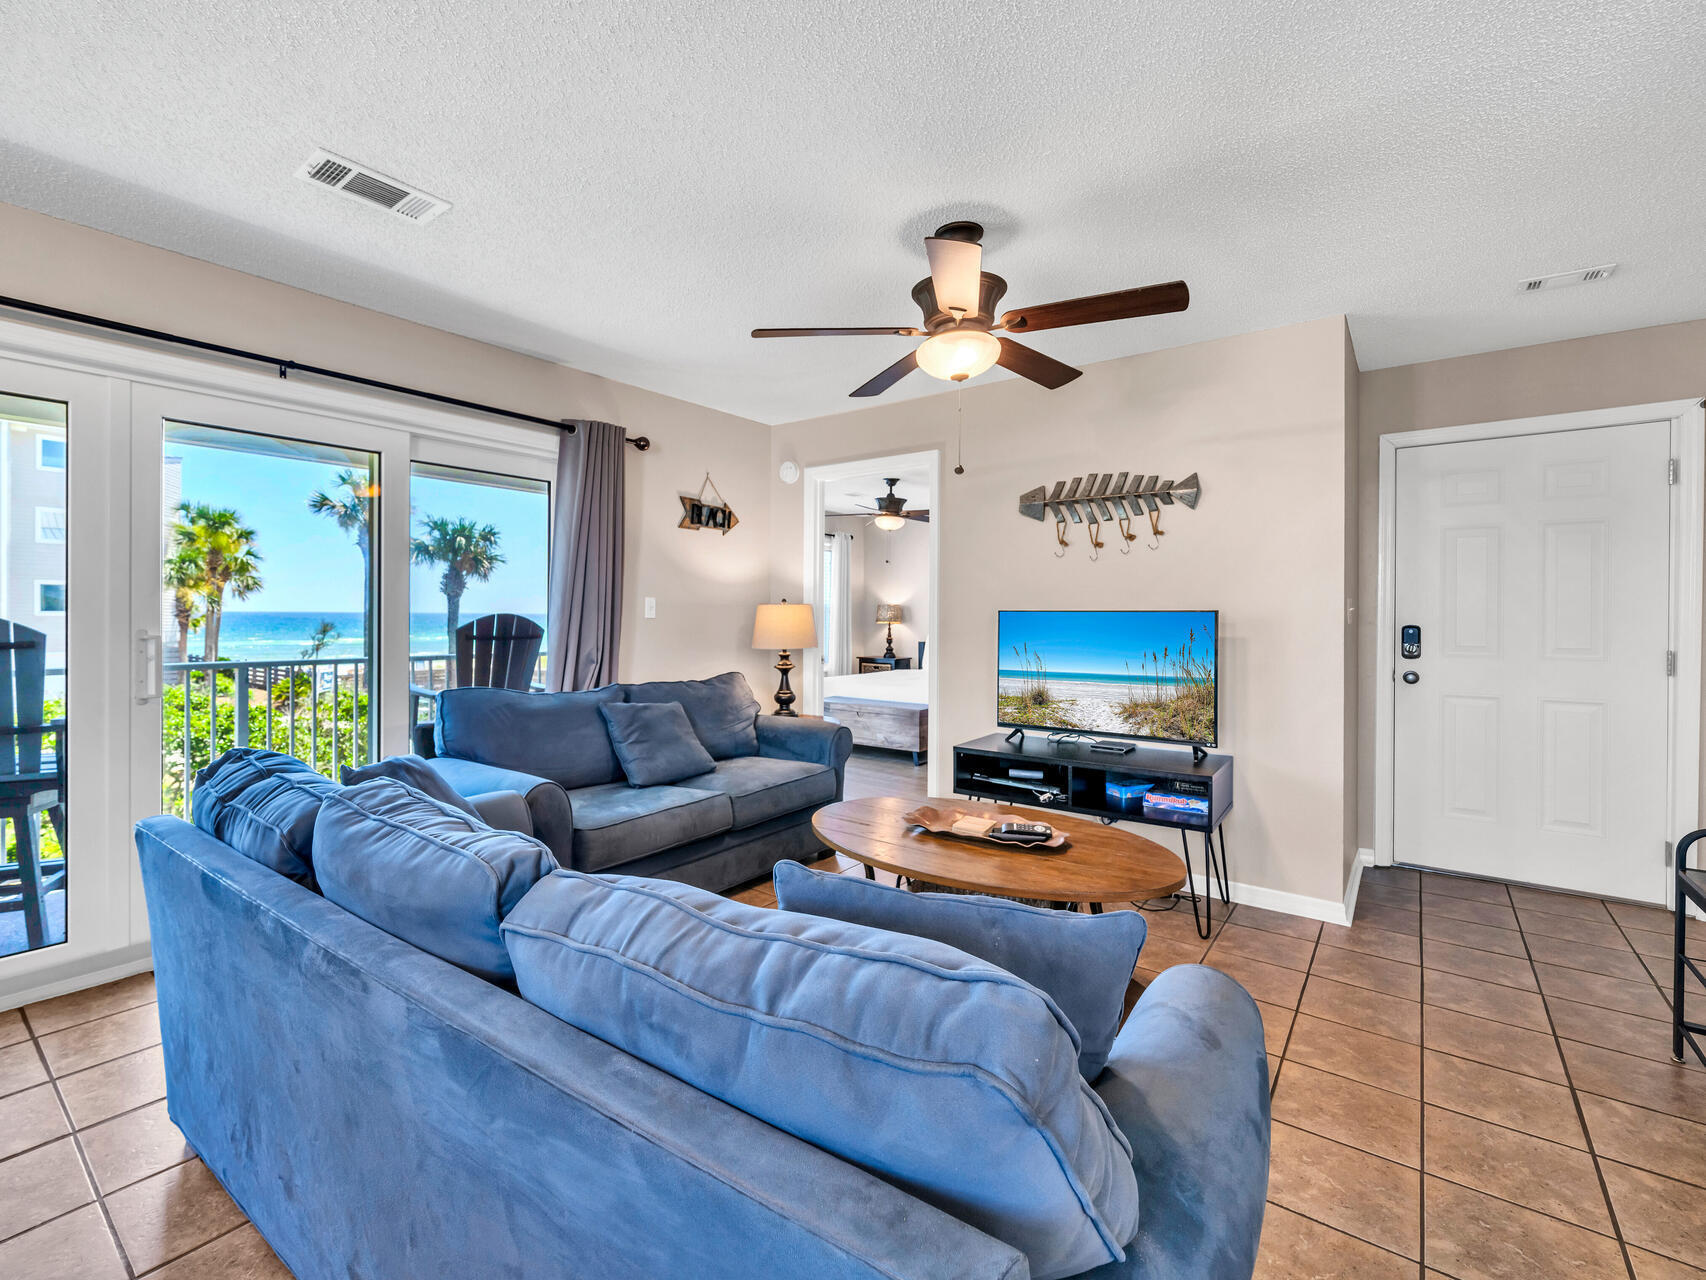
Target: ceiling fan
[[958, 299], [890, 512]]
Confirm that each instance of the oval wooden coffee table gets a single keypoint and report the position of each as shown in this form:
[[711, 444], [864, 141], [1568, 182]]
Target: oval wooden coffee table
[[1098, 864]]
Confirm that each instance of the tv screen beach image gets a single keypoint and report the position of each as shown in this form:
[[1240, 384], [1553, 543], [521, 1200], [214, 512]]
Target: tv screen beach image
[[1136, 673]]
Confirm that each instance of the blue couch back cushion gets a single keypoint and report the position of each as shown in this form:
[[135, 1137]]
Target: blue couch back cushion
[[426, 872], [920, 1063], [1084, 962], [411, 771], [559, 736], [722, 710], [654, 743], [263, 804]]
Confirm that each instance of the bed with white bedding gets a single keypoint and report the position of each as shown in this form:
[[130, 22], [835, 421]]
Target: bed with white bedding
[[887, 709]]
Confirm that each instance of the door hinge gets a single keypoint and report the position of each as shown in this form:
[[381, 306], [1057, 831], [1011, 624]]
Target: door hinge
[[1670, 662], [1675, 470]]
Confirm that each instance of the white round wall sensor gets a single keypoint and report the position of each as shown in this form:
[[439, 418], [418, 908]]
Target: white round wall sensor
[[789, 471]]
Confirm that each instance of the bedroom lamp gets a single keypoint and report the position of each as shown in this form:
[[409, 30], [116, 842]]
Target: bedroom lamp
[[784, 627], [891, 614]]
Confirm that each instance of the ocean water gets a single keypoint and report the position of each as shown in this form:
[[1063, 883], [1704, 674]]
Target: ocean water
[[260, 636], [1094, 677]]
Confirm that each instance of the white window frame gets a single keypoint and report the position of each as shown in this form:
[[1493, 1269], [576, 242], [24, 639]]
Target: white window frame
[[36, 602], [42, 437], [52, 542]]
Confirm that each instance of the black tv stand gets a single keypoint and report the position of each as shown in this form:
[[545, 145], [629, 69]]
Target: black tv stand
[[1073, 777]]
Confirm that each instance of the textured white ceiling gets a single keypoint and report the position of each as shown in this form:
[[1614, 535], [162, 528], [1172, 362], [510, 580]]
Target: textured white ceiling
[[637, 185]]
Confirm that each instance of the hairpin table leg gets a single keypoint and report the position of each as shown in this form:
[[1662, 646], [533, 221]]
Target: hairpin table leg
[[1214, 874]]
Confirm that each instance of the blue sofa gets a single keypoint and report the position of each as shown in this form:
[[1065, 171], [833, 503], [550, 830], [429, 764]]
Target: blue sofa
[[713, 831], [379, 1112]]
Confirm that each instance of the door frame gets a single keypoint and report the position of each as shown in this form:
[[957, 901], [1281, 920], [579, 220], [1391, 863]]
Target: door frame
[[1687, 565], [812, 482]]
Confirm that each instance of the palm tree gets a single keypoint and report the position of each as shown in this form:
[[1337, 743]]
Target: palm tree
[[320, 637], [466, 550], [183, 579], [350, 507], [224, 547]]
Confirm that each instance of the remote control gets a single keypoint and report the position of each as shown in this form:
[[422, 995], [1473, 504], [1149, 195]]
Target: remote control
[[1022, 832]]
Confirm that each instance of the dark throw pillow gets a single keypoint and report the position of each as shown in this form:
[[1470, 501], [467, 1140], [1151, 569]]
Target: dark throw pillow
[[655, 743], [411, 771], [1083, 961]]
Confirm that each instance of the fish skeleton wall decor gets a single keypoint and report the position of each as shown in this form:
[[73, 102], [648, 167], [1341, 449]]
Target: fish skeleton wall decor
[[1104, 496]]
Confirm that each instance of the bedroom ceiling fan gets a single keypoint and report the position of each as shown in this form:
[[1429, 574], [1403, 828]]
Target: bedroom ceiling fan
[[891, 512], [958, 299]]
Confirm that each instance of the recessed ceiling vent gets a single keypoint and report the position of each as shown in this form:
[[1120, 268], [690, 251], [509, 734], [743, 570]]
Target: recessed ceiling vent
[[359, 182], [1563, 279]]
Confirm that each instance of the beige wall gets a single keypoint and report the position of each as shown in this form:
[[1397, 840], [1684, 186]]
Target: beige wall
[[1638, 366], [1262, 418], [706, 585], [1354, 769], [897, 571]]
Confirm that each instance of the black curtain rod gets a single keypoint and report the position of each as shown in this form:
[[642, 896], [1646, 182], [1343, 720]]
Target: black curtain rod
[[285, 367]]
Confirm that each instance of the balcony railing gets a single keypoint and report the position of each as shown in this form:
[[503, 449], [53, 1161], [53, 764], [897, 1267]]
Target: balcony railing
[[316, 709]]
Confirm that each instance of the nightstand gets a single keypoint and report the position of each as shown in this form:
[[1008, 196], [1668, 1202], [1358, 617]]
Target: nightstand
[[883, 664]]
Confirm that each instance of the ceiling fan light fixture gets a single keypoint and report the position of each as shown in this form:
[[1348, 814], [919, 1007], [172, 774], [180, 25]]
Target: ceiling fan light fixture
[[957, 354], [889, 523]]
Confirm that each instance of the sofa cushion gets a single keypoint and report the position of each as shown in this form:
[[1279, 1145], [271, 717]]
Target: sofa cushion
[[412, 771], [1084, 961], [559, 736], [932, 1069], [760, 788], [722, 710], [263, 804], [653, 742], [617, 823], [425, 872]]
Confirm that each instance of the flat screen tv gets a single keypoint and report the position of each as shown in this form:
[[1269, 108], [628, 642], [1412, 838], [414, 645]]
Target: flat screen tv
[[1130, 673]]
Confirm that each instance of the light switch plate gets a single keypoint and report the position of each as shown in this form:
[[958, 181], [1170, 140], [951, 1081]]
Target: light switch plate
[[651, 606]]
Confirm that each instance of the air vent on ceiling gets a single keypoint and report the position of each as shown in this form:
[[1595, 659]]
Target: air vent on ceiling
[[358, 182], [1563, 279]]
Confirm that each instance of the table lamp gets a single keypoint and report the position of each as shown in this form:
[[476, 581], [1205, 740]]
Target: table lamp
[[784, 627], [891, 614]]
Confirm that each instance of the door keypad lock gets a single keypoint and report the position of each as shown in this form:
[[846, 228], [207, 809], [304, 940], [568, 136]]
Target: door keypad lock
[[1410, 644]]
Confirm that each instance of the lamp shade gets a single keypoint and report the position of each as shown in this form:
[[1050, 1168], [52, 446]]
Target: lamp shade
[[784, 626], [891, 613]]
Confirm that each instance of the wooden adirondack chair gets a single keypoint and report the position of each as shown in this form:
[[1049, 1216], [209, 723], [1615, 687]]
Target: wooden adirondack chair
[[497, 651], [32, 778]]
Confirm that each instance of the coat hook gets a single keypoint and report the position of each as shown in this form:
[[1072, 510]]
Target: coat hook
[[1095, 530], [1127, 537], [1060, 535], [1156, 529]]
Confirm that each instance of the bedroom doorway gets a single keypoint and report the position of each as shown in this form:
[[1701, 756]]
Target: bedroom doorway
[[870, 574]]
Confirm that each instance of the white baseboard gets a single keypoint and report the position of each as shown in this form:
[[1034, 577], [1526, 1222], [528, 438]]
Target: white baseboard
[[64, 982]]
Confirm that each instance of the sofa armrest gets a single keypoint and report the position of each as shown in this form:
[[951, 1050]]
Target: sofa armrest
[[503, 810], [547, 803], [814, 741], [425, 744], [1187, 1082]]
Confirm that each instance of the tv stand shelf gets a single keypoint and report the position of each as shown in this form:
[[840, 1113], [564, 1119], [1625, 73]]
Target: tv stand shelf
[[1075, 779]]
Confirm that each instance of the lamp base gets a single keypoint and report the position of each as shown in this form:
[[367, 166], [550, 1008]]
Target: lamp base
[[889, 651], [784, 695]]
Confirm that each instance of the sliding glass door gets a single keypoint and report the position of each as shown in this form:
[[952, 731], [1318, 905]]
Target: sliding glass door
[[259, 583], [64, 879]]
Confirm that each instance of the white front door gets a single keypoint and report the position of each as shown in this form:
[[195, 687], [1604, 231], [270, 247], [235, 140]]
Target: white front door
[[1530, 729]]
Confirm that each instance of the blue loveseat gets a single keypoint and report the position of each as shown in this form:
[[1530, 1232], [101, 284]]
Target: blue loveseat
[[732, 824], [379, 1112]]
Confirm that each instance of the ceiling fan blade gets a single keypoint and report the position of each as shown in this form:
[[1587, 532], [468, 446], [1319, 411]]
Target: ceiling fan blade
[[1151, 300], [956, 272], [833, 333], [1034, 365], [922, 513], [889, 376]]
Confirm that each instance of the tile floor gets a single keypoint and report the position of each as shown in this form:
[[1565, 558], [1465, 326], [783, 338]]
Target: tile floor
[[1470, 1083]]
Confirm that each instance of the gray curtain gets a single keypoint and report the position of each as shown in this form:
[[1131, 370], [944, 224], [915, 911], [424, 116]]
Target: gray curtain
[[586, 559]]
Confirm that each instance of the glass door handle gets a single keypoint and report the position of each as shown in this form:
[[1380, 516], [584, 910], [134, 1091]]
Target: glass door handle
[[149, 670]]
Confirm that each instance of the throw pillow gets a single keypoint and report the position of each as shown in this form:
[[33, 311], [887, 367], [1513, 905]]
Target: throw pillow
[[411, 771], [927, 1066], [654, 742], [425, 872], [1083, 961], [263, 804]]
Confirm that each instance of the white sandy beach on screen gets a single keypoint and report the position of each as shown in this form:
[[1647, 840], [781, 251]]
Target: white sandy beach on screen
[[1088, 705]]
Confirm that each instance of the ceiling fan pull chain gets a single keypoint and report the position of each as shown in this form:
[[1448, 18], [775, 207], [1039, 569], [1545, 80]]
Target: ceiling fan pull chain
[[959, 432]]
